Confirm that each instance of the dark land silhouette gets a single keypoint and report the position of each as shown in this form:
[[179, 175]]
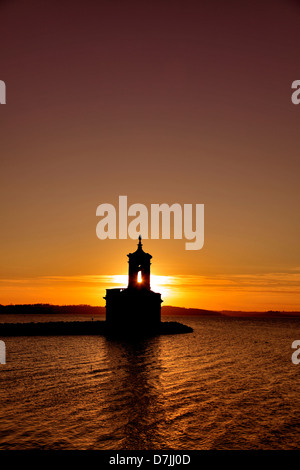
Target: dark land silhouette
[[84, 328], [49, 309], [167, 310], [96, 327]]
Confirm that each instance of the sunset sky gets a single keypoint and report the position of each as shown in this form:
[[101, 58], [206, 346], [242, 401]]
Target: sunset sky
[[164, 101]]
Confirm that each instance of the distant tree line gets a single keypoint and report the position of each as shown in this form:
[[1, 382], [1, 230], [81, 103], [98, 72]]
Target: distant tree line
[[51, 309]]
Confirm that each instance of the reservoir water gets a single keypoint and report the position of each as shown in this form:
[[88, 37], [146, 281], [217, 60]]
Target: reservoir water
[[229, 385]]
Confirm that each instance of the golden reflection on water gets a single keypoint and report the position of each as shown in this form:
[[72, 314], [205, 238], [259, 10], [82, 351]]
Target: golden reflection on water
[[229, 385], [137, 389]]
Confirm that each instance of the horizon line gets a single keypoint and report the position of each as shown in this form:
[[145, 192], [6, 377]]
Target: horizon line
[[40, 304]]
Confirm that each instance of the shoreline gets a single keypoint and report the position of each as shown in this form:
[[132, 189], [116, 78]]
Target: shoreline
[[82, 328]]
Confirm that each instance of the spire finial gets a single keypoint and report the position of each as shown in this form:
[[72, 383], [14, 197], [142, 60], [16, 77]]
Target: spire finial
[[140, 241]]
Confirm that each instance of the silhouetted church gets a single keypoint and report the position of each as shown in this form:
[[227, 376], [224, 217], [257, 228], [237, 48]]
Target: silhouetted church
[[136, 308]]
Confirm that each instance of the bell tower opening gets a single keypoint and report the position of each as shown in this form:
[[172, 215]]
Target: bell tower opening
[[139, 268]]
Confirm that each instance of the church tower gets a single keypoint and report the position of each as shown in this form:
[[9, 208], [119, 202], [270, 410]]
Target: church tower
[[139, 268], [135, 309]]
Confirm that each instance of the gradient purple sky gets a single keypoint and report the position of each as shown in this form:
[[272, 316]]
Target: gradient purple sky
[[162, 101]]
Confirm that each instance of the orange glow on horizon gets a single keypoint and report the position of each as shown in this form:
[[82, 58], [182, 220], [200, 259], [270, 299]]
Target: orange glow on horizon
[[275, 291]]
